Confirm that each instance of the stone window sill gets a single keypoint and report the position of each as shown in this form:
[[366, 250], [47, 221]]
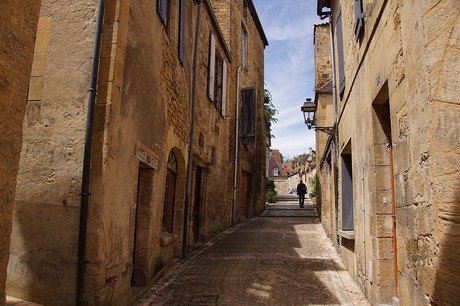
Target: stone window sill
[[167, 238], [350, 235]]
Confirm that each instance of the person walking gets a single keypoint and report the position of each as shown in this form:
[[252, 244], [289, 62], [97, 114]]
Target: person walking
[[301, 192]]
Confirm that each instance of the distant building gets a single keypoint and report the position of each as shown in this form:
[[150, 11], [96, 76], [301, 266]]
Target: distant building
[[303, 168], [276, 172]]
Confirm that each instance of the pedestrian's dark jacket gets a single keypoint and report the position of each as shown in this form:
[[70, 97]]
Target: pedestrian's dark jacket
[[301, 189]]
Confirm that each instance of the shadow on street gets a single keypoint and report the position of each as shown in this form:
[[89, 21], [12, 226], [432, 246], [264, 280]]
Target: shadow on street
[[282, 258]]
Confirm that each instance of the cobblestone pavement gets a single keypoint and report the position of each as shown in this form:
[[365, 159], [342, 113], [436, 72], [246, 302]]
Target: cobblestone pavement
[[264, 261]]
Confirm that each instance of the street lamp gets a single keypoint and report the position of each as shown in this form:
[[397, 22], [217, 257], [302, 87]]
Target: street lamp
[[309, 110]]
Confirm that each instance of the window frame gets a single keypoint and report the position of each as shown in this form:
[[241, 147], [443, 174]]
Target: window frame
[[217, 77], [347, 192]]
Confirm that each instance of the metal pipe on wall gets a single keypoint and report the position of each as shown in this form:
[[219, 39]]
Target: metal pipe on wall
[[192, 132], [235, 175], [335, 135], [85, 192]]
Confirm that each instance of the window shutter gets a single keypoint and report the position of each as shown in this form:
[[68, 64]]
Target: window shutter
[[249, 115], [347, 194], [211, 66], [341, 62], [181, 31], [162, 10], [224, 88], [359, 19]]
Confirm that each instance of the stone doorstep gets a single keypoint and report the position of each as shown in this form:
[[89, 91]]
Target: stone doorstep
[[12, 301]]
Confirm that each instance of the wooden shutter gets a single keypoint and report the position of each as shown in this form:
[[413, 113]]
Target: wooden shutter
[[249, 115], [340, 57], [359, 19], [224, 88], [162, 10], [181, 31], [347, 194], [211, 66]]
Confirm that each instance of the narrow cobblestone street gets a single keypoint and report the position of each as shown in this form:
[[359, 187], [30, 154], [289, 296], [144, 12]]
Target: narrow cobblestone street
[[281, 258]]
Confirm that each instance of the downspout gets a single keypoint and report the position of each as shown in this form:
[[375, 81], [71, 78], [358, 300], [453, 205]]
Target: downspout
[[85, 193], [335, 135], [192, 132], [237, 138]]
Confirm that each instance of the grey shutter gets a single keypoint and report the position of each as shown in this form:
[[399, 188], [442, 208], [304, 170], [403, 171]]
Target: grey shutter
[[224, 88], [347, 194], [162, 10], [341, 62], [181, 31], [211, 66], [359, 19]]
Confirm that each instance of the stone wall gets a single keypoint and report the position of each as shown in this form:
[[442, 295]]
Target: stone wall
[[142, 115], [396, 120], [45, 222], [18, 24], [324, 117]]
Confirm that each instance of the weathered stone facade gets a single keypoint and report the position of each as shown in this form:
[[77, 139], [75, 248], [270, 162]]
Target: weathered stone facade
[[18, 28], [140, 144], [397, 85]]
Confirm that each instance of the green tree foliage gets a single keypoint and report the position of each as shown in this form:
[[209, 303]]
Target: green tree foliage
[[270, 192], [313, 187], [269, 112]]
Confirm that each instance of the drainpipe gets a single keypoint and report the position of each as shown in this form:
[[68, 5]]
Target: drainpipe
[[192, 132], [85, 193], [335, 135], [235, 175]]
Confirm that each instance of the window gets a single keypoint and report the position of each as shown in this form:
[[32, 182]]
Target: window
[[217, 77], [248, 116], [163, 11], [180, 43], [245, 9], [359, 18], [341, 62], [170, 194], [276, 172], [244, 48], [347, 193]]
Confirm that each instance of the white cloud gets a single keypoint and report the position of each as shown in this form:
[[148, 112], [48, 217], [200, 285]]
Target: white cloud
[[289, 68]]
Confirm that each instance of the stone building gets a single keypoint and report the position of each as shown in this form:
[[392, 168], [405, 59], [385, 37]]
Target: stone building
[[158, 92], [18, 27], [303, 168], [276, 172], [393, 209]]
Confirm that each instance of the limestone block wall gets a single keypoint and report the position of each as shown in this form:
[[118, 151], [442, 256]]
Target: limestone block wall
[[428, 199], [45, 222], [141, 115], [253, 76], [18, 24], [323, 64], [325, 203], [230, 16], [394, 116]]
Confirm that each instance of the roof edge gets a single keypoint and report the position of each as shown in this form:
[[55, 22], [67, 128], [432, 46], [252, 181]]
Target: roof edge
[[257, 22]]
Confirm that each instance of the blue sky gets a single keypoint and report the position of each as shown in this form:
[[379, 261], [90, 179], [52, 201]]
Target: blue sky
[[289, 68]]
